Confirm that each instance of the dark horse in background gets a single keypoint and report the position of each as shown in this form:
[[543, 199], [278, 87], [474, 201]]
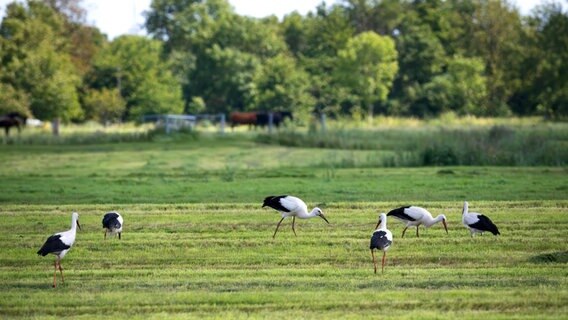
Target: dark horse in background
[[259, 118], [12, 119]]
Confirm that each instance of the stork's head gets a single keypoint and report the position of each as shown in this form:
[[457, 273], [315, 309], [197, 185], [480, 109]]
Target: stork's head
[[444, 222], [382, 217], [465, 207], [266, 201], [75, 217], [317, 211]]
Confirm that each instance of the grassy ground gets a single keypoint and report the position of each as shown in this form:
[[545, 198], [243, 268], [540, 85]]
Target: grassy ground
[[236, 169], [197, 244], [220, 261]]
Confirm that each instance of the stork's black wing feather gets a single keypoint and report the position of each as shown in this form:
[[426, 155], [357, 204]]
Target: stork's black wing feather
[[274, 203], [399, 213], [110, 220], [379, 240], [485, 224], [52, 244]]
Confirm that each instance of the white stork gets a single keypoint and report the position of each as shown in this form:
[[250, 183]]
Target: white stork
[[476, 222], [290, 206], [112, 223], [58, 245], [381, 240], [414, 216]]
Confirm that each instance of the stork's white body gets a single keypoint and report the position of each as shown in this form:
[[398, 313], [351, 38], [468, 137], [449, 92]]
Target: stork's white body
[[297, 207], [476, 222], [113, 223], [381, 239], [59, 244], [290, 206], [413, 216]]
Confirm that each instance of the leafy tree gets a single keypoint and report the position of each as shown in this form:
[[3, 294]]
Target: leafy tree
[[368, 66], [185, 24], [105, 105], [33, 60], [322, 35], [380, 16], [462, 88], [215, 51], [281, 86], [496, 38], [13, 100], [133, 65], [421, 57], [550, 86], [197, 105], [223, 78]]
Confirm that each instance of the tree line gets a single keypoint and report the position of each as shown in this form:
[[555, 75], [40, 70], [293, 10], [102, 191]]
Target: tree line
[[354, 58]]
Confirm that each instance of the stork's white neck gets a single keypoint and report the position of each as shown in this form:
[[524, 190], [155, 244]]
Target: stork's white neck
[[430, 221], [313, 213], [74, 219], [383, 224], [465, 208]]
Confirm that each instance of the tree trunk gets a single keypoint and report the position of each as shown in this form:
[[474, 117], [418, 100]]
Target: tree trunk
[[55, 126], [370, 112]]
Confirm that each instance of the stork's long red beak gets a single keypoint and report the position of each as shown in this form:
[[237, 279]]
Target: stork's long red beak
[[445, 225], [323, 217], [79, 225]]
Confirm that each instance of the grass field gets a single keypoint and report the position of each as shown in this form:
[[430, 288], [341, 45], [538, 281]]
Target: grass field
[[220, 261], [237, 169], [197, 244]]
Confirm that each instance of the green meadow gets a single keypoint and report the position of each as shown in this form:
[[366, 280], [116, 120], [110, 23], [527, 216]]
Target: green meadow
[[197, 243]]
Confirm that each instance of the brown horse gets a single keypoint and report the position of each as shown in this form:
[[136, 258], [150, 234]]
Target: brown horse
[[238, 118], [12, 119]]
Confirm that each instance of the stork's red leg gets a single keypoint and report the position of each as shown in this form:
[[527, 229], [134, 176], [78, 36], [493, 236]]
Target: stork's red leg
[[403, 231], [417, 235], [55, 273], [277, 226], [293, 221], [384, 256], [61, 270], [374, 260], [105, 234], [119, 235]]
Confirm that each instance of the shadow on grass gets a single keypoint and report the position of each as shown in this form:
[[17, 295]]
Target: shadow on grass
[[554, 257]]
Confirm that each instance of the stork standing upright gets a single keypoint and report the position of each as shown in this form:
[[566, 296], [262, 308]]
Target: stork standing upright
[[290, 206], [476, 222], [59, 244], [381, 240], [414, 216], [112, 222]]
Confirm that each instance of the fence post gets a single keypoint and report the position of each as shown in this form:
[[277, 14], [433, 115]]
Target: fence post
[[222, 126], [323, 122], [270, 121], [168, 129]]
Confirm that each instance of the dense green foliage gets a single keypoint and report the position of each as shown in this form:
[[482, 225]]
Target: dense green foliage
[[178, 261], [477, 57]]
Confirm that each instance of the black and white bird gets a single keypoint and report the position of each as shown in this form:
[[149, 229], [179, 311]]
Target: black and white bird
[[381, 240], [413, 216], [290, 206], [59, 244], [112, 223], [476, 222]]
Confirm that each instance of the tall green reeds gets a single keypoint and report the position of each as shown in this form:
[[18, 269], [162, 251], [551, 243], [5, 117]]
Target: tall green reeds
[[437, 145]]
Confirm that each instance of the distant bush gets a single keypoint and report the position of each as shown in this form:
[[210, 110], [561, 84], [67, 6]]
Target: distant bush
[[82, 137], [439, 146]]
